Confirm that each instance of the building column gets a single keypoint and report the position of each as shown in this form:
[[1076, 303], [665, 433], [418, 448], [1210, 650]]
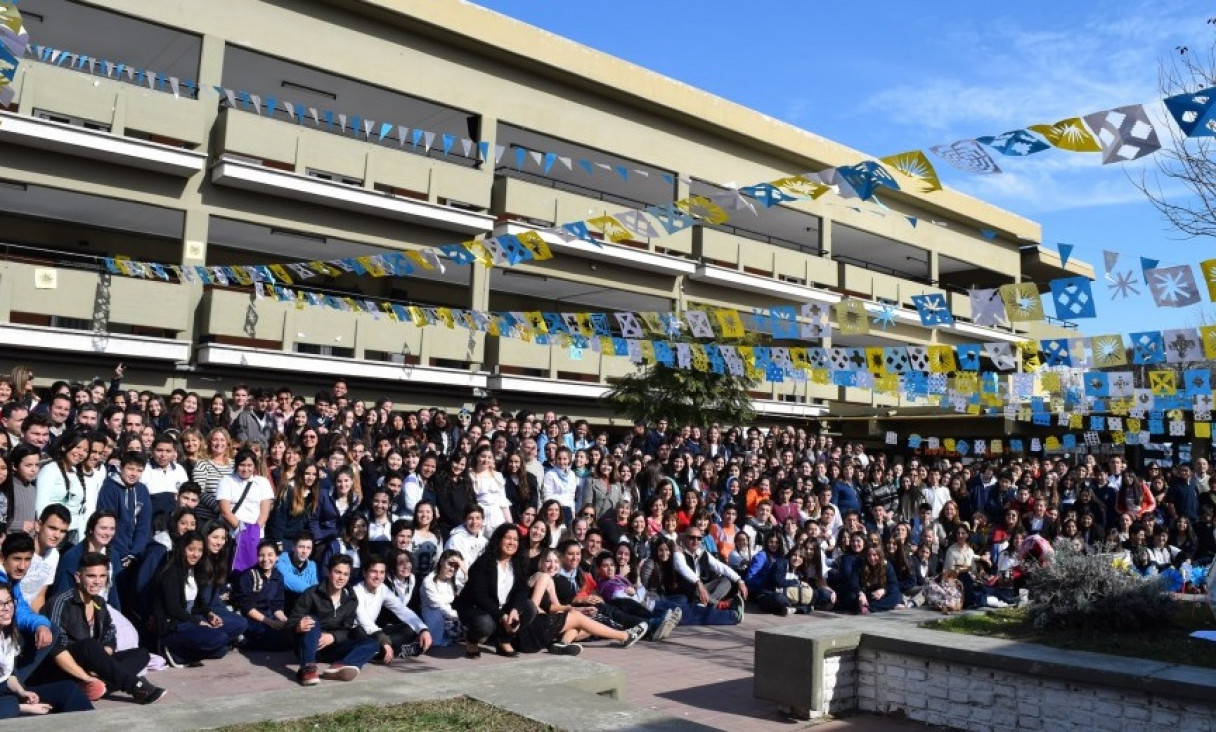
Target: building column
[[194, 253], [479, 299]]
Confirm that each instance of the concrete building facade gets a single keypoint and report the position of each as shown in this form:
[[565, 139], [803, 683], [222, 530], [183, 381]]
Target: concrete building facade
[[94, 163]]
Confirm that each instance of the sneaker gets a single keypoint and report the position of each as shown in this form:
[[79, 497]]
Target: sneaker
[[145, 693], [340, 672], [94, 689], [737, 609], [788, 610], [170, 659], [724, 604], [308, 676], [668, 624], [996, 602], [565, 649], [634, 635], [409, 650], [679, 613]]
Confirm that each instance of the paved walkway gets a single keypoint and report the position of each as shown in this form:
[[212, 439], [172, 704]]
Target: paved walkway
[[701, 675]]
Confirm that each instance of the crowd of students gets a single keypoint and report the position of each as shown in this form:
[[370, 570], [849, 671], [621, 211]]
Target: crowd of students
[[144, 529]]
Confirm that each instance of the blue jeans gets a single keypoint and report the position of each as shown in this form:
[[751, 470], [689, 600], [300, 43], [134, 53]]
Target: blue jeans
[[192, 642], [234, 625], [63, 696], [349, 651], [262, 637], [32, 657]]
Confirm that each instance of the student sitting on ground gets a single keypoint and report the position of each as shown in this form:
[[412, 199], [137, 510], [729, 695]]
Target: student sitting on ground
[[325, 620], [402, 633], [15, 699], [259, 596], [88, 639]]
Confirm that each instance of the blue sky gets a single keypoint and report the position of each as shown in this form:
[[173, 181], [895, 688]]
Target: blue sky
[[887, 77]]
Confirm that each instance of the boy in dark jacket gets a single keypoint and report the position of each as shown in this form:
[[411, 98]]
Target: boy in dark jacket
[[128, 498], [328, 612]]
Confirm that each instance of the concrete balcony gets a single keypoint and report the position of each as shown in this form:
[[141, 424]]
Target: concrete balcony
[[625, 256], [392, 183], [127, 110], [53, 308], [234, 318], [764, 258], [97, 145]]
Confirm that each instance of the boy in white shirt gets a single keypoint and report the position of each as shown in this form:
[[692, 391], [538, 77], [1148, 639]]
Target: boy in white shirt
[[404, 635]]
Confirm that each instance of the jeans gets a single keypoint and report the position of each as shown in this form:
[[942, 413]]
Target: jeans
[[348, 651], [262, 637], [192, 642], [63, 696], [32, 657]]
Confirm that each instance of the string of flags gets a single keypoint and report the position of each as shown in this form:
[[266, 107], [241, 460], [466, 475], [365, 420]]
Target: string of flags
[[14, 42], [1120, 134], [1089, 441]]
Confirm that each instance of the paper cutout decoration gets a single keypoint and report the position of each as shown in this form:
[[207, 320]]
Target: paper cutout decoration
[[1022, 302], [1001, 355], [968, 356], [698, 323], [1173, 287], [885, 316], [729, 322], [987, 307], [1069, 134], [968, 156], [1073, 298], [1108, 350], [1125, 133], [933, 309], [630, 327], [915, 164], [1197, 382], [867, 176], [851, 317], [1148, 348], [1122, 285], [1162, 383], [1194, 112], [1097, 384], [1182, 345], [941, 359], [1065, 251], [818, 323], [896, 360], [1056, 352], [1015, 143], [918, 357]]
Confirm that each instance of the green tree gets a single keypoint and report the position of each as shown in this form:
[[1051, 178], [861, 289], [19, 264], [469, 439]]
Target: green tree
[[684, 396]]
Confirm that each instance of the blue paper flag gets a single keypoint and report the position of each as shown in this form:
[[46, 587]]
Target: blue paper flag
[[933, 309], [1065, 252], [1194, 112], [1015, 143], [1073, 298]]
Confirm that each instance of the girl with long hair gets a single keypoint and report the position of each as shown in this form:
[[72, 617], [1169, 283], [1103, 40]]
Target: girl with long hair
[[62, 481]]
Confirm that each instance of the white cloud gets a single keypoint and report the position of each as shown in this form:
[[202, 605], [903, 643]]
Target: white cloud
[[1015, 76]]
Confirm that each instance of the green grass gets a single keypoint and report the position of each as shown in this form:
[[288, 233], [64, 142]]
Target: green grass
[[444, 715], [1169, 641]]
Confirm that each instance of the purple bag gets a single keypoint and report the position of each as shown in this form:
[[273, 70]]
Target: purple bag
[[245, 555]]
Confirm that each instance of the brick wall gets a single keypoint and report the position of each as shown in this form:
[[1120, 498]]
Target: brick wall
[[968, 697]]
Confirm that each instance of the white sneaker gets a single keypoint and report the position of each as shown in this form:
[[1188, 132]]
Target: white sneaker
[[994, 601]]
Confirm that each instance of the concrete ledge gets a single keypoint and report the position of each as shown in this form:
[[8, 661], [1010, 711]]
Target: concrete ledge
[[789, 663], [564, 692]]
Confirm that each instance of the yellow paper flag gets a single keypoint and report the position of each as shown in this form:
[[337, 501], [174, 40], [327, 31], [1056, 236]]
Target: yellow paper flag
[[1203, 430], [729, 322], [1069, 134]]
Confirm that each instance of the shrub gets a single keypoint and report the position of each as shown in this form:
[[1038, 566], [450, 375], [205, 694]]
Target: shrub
[[1088, 593]]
